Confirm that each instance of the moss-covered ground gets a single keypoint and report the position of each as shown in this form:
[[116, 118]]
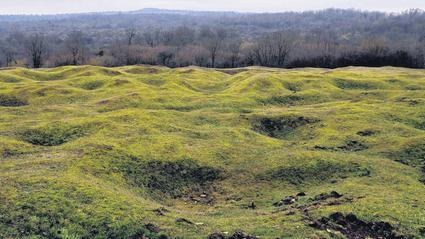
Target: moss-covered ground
[[150, 152]]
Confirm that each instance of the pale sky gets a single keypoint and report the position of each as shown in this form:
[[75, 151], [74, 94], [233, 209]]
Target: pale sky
[[74, 6]]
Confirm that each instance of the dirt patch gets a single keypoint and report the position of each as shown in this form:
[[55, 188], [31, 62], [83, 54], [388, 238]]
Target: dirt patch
[[184, 221], [172, 178], [315, 172], [354, 228], [282, 126], [325, 196], [53, 135], [201, 195], [367, 133], [289, 200], [12, 101]]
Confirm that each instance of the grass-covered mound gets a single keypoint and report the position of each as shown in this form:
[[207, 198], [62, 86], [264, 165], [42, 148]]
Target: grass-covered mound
[[151, 152]]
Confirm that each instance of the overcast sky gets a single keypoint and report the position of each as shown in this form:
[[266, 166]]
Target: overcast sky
[[71, 6]]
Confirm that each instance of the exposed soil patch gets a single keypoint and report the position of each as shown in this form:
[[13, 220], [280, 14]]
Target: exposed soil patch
[[12, 101], [291, 205], [354, 228], [289, 200], [366, 133], [282, 126], [53, 135], [173, 178], [201, 195], [319, 171], [184, 220], [325, 196]]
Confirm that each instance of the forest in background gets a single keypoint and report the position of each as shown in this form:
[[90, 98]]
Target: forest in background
[[330, 38]]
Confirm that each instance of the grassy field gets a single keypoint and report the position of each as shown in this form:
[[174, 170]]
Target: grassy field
[[150, 152]]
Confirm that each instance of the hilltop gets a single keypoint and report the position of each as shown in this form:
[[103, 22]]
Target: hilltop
[[153, 152]]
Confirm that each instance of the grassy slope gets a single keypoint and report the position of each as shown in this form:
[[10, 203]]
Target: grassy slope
[[75, 148]]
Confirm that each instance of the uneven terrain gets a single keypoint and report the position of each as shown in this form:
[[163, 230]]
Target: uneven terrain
[[150, 152]]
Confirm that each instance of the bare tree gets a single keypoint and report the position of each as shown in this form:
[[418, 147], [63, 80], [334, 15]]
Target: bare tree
[[272, 50], [9, 56], [165, 57], [37, 49], [234, 48], [213, 41], [130, 34], [75, 45], [151, 37]]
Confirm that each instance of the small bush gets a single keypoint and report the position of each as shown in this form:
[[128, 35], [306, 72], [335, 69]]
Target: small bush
[[411, 154], [168, 177], [354, 84], [92, 85], [317, 171], [282, 100], [281, 127], [12, 101], [52, 135]]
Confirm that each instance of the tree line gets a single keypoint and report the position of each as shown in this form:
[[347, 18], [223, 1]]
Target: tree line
[[229, 40]]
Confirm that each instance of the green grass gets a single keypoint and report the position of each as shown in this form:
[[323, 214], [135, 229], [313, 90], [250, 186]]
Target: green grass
[[91, 152]]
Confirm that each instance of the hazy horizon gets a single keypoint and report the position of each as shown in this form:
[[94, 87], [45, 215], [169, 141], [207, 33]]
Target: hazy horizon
[[81, 6]]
